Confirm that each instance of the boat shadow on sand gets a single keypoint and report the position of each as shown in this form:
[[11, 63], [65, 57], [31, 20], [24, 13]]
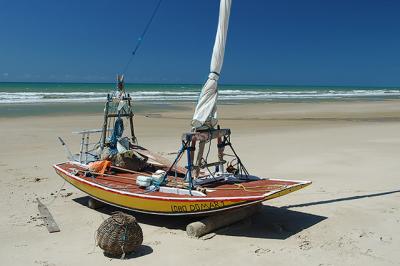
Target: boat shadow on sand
[[270, 222]]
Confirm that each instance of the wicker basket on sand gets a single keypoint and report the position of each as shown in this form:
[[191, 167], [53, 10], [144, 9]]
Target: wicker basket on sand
[[120, 234]]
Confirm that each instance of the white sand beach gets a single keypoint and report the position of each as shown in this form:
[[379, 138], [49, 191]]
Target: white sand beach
[[350, 215]]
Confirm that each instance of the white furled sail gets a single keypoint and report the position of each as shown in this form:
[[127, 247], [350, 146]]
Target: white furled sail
[[205, 115]]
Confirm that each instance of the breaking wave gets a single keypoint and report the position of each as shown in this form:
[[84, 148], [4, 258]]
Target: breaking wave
[[190, 94]]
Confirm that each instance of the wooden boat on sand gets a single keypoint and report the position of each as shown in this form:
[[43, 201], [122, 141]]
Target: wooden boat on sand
[[134, 178], [177, 191], [118, 187]]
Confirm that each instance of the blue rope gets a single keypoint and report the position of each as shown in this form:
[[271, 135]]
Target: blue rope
[[117, 132], [141, 37]]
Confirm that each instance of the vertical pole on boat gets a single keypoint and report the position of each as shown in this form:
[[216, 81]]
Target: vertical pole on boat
[[189, 162], [131, 120], [104, 133], [87, 147], [193, 148], [221, 148], [81, 151]]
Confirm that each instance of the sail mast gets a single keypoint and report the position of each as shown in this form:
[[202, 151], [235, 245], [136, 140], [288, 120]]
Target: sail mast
[[205, 115]]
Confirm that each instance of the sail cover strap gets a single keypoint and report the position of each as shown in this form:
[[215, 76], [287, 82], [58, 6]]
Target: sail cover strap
[[205, 115]]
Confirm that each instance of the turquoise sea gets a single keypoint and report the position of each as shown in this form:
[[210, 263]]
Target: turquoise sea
[[20, 98]]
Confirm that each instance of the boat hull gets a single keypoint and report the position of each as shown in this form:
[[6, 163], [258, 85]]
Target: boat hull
[[168, 204]]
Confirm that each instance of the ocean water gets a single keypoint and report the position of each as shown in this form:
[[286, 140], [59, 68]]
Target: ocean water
[[20, 99], [39, 93]]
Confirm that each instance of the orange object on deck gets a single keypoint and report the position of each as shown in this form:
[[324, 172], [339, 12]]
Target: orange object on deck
[[99, 167]]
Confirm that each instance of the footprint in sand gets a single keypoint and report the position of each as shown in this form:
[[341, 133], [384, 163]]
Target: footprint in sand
[[44, 263], [304, 244], [366, 234], [386, 240], [261, 251], [153, 243], [38, 179]]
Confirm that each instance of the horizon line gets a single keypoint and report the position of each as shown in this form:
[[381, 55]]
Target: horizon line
[[201, 84]]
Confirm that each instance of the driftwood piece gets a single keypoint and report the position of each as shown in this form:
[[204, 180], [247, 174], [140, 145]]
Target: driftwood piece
[[212, 223], [48, 219]]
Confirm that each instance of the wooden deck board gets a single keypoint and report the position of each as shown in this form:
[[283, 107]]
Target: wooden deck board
[[127, 182]]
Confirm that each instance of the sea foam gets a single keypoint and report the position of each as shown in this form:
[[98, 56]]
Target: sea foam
[[190, 94]]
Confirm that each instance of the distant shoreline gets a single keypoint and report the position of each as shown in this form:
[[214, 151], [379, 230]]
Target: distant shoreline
[[359, 107]]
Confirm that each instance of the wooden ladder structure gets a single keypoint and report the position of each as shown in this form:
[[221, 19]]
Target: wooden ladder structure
[[200, 138], [124, 112]]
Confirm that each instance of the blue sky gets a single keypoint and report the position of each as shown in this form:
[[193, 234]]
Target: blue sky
[[269, 42]]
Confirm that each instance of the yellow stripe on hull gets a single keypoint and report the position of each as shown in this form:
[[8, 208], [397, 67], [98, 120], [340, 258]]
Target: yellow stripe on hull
[[150, 205], [167, 206]]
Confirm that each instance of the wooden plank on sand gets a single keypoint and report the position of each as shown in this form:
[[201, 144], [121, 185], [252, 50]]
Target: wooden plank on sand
[[51, 225]]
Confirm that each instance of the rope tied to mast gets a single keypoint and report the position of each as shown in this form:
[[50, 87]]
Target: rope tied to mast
[[214, 75], [141, 37]]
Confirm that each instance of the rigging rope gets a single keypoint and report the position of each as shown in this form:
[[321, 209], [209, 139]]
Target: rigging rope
[[57, 195], [141, 37], [262, 189]]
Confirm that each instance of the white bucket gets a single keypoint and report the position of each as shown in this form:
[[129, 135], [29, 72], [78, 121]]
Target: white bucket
[[158, 175], [143, 181]]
